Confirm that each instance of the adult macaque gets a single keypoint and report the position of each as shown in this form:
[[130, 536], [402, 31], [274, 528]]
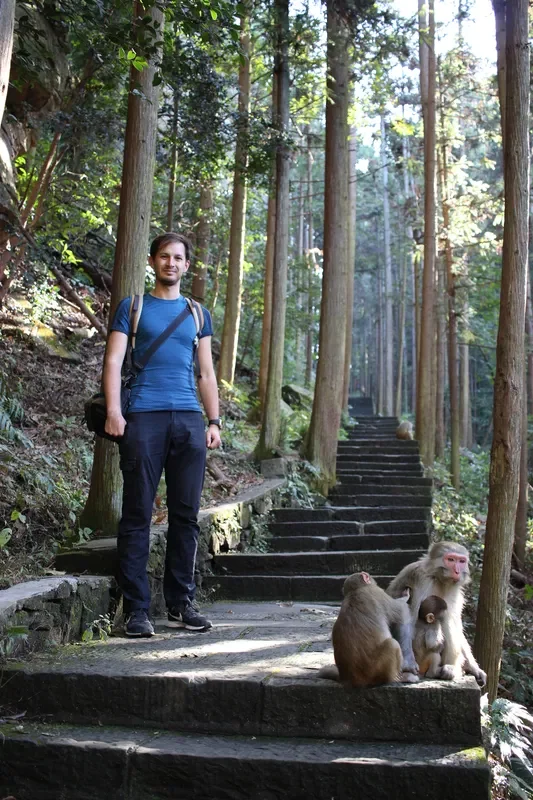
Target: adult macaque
[[444, 572], [428, 641], [404, 430], [365, 652]]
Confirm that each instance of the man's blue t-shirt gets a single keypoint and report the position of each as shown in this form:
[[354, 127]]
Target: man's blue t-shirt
[[167, 382]]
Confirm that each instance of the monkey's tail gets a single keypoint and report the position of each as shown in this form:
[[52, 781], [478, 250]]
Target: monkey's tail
[[330, 672]]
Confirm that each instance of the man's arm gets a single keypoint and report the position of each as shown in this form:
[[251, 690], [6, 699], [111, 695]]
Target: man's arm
[[207, 385], [117, 344]]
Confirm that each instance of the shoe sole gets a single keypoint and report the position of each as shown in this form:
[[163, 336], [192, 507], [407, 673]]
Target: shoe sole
[[139, 635], [177, 624]]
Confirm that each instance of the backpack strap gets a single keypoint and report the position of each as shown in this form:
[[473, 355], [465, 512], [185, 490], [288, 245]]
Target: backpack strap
[[136, 307], [198, 316]]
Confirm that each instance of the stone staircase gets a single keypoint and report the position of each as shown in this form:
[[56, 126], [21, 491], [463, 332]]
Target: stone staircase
[[376, 520], [238, 713]]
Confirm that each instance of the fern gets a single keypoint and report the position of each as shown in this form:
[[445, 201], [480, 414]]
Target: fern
[[11, 411]]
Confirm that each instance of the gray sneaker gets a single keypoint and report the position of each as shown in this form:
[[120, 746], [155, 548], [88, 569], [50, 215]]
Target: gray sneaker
[[185, 616], [138, 624]]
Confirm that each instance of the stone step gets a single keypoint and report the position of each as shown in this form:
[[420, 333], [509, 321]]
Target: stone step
[[378, 478], [282, 588], [351, 514], [362, 467], [385, 441], [245, 677], [85, 763], [292, 530], [381, 500], [393, 459], [302, 514], [393, 447], [380, 488], [378, 541], [384, 562]]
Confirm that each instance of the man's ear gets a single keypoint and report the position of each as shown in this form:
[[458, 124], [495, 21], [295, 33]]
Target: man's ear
[[187, 265], [151, 261]]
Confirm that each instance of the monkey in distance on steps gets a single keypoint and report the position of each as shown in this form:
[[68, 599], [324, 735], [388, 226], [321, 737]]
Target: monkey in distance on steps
[[364, 650], [404, 431], [428, 642]]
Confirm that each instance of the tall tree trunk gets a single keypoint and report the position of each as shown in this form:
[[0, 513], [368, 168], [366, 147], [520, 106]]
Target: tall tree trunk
[[203, 242], [520, 528], [232, 310], [465, 408], [311, 263], [321, 445], [401, 338], [499, 7], [408, 274], [455, 465], [509, 377], [425, 406], [7, 23], [103, 507], [352, 196], [270, 430], [173, 162], [389, 328], [269, 265], [440, 431]]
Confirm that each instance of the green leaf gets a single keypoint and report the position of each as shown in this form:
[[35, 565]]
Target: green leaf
[[87, 635], [5, 536], [213, 13]]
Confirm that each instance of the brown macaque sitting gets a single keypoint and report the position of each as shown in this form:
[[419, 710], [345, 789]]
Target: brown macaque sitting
[[444, 572], [428, 642], [404, 430], [365, 652]]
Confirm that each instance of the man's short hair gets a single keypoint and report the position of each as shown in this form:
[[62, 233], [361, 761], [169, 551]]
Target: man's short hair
[[165, 238]]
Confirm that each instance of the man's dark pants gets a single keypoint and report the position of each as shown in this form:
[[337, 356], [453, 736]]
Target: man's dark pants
[[173, 441]]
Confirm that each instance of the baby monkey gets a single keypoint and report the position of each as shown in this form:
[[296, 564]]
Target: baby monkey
[[428, 642]]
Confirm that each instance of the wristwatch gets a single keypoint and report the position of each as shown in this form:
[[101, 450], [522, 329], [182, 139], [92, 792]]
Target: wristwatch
[[215, 422]]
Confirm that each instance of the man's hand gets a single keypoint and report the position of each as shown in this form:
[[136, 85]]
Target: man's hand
[[213, 439], [115, 423]]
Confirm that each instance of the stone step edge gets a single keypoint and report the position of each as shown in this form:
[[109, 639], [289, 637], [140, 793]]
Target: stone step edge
[[129, 740]]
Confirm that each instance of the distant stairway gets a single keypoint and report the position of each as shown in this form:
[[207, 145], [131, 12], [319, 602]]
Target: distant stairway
[[376, 519]]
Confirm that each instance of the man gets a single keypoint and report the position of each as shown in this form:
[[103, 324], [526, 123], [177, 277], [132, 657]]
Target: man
[[163, 430]]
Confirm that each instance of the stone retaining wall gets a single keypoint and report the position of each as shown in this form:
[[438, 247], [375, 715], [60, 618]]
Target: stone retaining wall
[[51, 611]]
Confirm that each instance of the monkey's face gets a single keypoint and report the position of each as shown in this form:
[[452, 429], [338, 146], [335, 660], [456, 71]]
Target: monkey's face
[[449, 563], [456, 565]]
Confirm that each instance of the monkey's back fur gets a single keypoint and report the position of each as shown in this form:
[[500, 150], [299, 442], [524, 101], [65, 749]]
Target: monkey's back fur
[[365, 653]]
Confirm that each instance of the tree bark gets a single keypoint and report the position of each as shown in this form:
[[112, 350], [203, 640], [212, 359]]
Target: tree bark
[[440, 431], [232, 311], [203, 242], [425, 406], [173, 162], [103, 507], [311, 264], [269, 438], [509, 377], [321, 445], [499, 7], [455, 464], [352, 197], [388, 327], [464, 398], [7, 23]]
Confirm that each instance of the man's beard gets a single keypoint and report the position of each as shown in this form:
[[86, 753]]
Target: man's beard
[[169, 280]]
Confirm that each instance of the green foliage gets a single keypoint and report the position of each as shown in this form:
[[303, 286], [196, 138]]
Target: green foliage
[[11, 413], [10, 640], [508, 727], [300, 491], [99, 629]]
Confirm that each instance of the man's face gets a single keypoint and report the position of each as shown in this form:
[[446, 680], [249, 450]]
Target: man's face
[[169, 263]]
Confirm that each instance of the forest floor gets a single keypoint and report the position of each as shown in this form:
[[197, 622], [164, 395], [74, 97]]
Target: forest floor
[[47, 370]]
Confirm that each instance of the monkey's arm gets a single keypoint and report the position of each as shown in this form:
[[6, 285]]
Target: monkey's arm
[[470, 664], [405, 579], [402, 630]]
